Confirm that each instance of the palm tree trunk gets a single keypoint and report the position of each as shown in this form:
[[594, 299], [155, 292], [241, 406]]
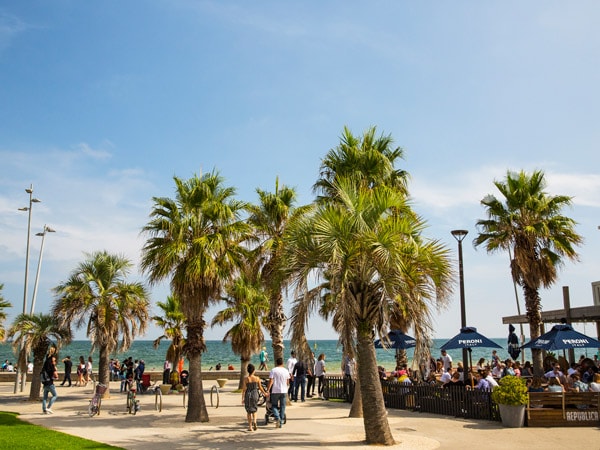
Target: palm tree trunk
[[244, 361], [104, 369], [196, 411], [277, 322], [36, 382], [377, 428], [356, 410], [534, 315]]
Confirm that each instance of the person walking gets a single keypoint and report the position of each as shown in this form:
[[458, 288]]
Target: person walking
[[310, 375], [264, 358], [299, 375], [279, 380], [250, 389], [68, 367], [320, 374], [291, 362], [349, 369], [49, 374]]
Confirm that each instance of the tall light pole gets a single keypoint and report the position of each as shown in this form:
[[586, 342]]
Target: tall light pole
[[32, 200], [22, 365], [459, 235], [47, 229]]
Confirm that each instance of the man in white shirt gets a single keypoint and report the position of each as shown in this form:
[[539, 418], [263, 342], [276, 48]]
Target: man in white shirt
[[279, 379], [447, 361], [291, 363]]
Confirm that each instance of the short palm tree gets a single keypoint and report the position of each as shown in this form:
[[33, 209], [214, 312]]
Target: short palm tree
[[172, 321], [37, 334], [375, 261], [269, 219], [529, 222], [247, 304], [195, 241], [96, 295], [3, 305]]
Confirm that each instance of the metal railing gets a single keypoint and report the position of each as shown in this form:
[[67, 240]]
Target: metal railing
[[453, 401]]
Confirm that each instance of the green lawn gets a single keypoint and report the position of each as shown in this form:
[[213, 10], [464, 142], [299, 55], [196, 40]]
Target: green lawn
[[17, 434]]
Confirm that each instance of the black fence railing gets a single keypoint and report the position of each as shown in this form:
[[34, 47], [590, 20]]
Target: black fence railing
[[457, 402]]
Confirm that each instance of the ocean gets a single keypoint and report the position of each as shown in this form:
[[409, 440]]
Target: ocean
[[220, 352]]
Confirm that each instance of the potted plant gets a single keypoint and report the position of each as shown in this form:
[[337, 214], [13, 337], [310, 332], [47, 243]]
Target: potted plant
[[511, 397]]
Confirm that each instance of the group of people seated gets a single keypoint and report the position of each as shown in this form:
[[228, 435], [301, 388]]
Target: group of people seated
[[580, 377]]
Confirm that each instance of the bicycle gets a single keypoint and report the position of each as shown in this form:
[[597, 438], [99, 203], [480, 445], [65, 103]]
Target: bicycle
[[96, 401], [133, 405]]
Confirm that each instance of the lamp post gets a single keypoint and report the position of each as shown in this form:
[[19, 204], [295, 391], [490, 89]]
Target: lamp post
[[32, 200], [47, 229], [22, 365], [459, 235]]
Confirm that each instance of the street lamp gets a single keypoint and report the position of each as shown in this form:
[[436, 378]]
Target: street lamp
[[32, 200], [459, 235], [47, 229], [22, 365]]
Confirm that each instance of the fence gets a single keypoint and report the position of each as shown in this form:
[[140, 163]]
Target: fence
[[458, 402]]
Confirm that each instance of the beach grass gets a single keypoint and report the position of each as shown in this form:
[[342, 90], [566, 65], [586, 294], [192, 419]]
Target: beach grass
[[17, 434]]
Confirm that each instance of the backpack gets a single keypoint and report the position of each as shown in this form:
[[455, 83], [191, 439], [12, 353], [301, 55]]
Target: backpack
[[46, 379]]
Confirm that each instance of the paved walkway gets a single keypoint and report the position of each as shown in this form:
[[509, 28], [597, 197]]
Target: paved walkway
[[313, 424]]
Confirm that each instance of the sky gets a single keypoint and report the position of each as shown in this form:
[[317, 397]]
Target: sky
[[103, 103]]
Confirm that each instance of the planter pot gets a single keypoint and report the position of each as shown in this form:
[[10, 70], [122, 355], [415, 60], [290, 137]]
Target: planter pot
[[512, 416]]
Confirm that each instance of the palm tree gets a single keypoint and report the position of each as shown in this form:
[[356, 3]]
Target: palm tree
[[172, 321], [194, 240], [37, 334], [3, 305], [97, 296], [269, 219], [247, 303], [376, 261], [368, 159], [529, 223]]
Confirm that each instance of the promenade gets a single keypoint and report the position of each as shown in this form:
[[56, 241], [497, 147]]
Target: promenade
[[314, 424]]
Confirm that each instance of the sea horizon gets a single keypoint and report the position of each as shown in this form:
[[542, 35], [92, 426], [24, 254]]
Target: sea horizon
[[220, 352]]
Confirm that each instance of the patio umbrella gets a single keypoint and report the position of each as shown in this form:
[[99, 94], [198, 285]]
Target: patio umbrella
[[396, 339], [469, 338], [562, 337]]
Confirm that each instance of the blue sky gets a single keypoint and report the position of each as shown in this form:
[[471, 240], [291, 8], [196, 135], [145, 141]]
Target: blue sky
[[102, 103]]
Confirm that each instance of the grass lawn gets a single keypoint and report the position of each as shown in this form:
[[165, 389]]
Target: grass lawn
[[17, 434]]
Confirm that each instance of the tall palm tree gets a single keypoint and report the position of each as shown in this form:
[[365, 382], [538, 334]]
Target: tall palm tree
[[172, 321], [247, 304], [368, 159], [269, 219], [37, 334], [194, 241], [376, 261], [3, 305], [529, 222], [96, 295]]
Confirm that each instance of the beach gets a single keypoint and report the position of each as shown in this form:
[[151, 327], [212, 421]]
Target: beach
[[313, 424]]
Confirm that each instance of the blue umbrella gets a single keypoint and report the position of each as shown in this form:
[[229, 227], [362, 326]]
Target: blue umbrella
[[396, 339], [469, 338], [561, 337]]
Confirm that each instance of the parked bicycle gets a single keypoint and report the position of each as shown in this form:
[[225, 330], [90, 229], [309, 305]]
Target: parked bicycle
[[96, 401], [133, 405]]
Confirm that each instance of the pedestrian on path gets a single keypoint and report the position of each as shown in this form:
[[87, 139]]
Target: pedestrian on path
[[49, 374], [279, 380], [68, 367]]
